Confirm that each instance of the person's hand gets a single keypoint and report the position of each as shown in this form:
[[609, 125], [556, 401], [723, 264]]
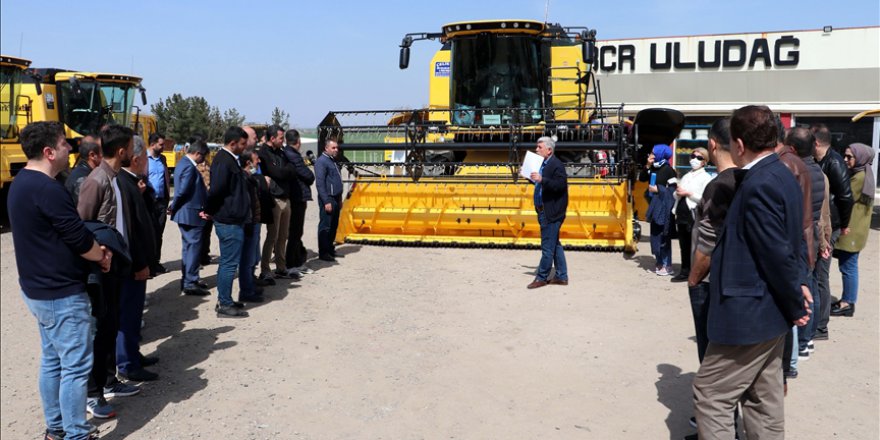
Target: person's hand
[[844, 231], [168, 212], [825, 253], [652, 188], [143, 274], [204, 216], [681, 192], [142, 186], [535, 177], [106, 259], [808, 300], [328, 208]]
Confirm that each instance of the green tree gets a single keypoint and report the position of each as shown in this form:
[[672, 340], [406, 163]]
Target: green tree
[[281, 117], [183, 117], [231, 117]]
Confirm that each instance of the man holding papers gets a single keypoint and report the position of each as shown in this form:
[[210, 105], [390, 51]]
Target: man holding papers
[[551, 201]]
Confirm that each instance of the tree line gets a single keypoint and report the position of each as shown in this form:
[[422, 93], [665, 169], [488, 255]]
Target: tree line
[[182, 117]]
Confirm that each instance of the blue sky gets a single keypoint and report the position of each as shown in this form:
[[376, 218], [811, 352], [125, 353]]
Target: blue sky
[[312, 57]]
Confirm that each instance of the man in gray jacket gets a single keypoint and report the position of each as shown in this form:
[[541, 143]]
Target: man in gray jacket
[[329, 183]]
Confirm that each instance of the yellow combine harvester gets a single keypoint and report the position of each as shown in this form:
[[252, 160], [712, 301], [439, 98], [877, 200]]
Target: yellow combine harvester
[[12, 158], [83, 101], [451, 178]]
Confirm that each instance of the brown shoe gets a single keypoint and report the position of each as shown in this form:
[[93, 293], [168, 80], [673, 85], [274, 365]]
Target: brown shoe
[[559, 282], [535, 284]]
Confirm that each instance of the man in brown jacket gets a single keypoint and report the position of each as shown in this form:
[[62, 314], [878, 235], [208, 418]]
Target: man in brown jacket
[[100, 199]]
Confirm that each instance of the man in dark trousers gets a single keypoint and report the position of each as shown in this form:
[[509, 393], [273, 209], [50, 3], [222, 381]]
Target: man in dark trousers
[[274, 164], [188, 211], [142, 248], [756, 291], [551, 201], [160, 181], [230, 207], [300, 195], [329, 183], [53, 249], [841, 204]]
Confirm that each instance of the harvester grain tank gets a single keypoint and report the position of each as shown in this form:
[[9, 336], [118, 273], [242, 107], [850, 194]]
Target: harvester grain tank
[[447, 175]]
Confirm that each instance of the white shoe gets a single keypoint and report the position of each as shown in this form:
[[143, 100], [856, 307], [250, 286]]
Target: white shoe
[[293, 273], [305, 270]]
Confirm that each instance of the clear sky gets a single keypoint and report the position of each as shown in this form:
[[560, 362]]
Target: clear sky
[[309, 57]]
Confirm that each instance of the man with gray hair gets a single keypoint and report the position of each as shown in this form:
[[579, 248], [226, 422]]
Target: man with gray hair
[[142, 248], [551, 201]]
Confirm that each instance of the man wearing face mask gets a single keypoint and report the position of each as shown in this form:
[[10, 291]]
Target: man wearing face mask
[[687, 195]]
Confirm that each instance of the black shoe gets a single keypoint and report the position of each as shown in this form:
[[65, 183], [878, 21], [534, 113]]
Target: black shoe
[[262, 282], [230, 312], [139, 375], [791, 374], [196, 291], [821, 334], [160, 269], [251, 298], [146, 361], [327, 258], [847, 310], [681, 277], [258, 290], [202, 284]]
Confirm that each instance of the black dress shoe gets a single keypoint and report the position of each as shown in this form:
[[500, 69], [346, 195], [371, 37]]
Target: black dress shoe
[[160, 269], [230, 311], [847, 310], [327, 258], [146, 361], [139, 375], [681, 277], [202, 284], [196, 291]]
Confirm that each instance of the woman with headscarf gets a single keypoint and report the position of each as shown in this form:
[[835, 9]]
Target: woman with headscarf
[[858, 159], [662, 180], [687, 196]]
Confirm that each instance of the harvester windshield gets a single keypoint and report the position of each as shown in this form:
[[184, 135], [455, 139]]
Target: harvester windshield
[[88, 104], [10, 89], [492, 71]]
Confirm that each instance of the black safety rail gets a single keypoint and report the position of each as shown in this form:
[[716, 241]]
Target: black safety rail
[[509, 129]]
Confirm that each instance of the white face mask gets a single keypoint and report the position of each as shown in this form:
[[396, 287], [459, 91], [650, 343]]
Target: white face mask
[[658, 164], [696, 164]]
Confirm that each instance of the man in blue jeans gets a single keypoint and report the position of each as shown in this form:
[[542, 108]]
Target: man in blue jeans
[[230, 206], [48, 233], [551, 201]]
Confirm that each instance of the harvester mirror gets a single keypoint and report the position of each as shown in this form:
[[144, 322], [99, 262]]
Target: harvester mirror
[[404, 57], [588, 47], [143, 95]]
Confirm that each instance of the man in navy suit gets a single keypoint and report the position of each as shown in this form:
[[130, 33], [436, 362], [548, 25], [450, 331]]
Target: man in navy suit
[[758, 289], [187, 210], [551, 201]]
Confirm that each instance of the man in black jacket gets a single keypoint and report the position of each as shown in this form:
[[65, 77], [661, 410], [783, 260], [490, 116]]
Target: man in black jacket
[[841, 206], [283, 176], [90, 156], [142, 248], [300, 195], [230, 207], [551, 201]]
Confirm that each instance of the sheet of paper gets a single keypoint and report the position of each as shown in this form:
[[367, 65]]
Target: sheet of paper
[[531, 164]]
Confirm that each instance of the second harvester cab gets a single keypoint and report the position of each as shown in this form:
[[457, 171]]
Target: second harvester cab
[[451, 175]]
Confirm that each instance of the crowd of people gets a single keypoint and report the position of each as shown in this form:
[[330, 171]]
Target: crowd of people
[[100, 229], [766, 227], [782, 205]]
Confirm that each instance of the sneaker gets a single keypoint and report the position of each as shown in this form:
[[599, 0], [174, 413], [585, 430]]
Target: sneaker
[[230, 312], [99, 408], [120, 389], [305, 270], [288, 274], [811, 347], [693, 422], [139, 375], [663, 272], [265, 279], [791, 373], [803, 355], [821, 334]]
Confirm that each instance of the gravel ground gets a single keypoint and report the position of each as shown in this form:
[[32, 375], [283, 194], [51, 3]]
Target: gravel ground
[[413, 343]]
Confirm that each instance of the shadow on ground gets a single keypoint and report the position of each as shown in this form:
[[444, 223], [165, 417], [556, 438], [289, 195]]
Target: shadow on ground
[[674, 391]]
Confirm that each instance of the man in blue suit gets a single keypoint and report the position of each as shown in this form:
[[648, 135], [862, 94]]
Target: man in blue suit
[[758, 289], [551, 201], [187, 210]]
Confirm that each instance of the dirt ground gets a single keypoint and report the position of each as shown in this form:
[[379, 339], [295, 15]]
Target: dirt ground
[[414, 343]]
